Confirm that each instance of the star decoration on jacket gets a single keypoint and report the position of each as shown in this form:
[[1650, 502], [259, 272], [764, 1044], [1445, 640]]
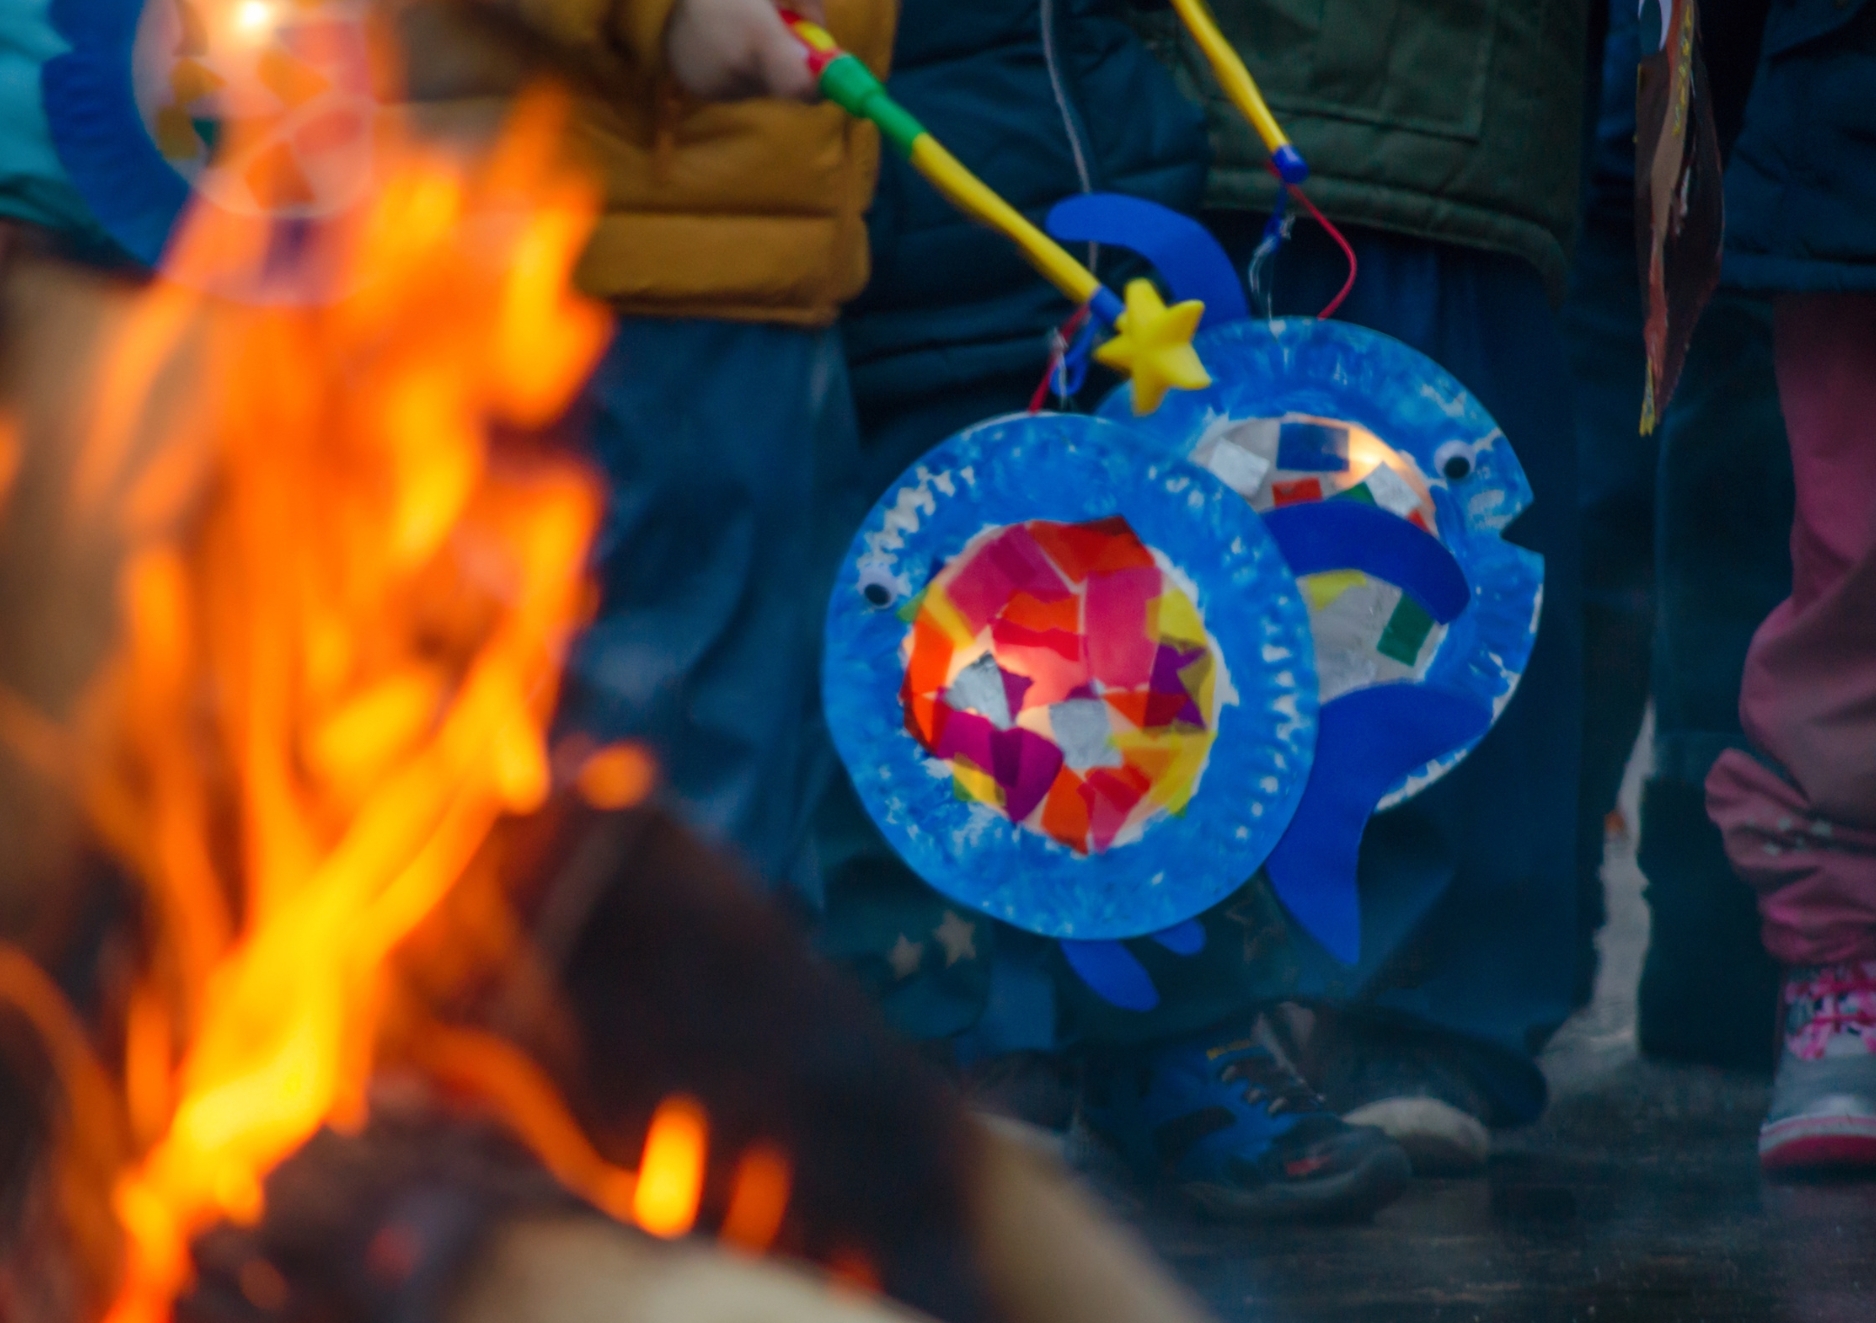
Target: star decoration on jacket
[[1153, 345], [958, 938], [905, 957]]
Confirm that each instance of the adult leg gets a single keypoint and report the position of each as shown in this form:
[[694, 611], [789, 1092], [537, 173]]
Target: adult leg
[[1722, 564], [1601, 325]]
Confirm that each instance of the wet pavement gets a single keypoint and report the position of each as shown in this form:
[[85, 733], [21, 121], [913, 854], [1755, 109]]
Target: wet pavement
[[1637, 1199]]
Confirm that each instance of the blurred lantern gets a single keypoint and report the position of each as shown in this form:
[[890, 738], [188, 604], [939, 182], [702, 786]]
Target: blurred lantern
[[262, 109]]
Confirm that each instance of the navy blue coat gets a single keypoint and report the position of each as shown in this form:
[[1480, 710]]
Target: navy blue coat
[[1042, 99], [1801, 188]]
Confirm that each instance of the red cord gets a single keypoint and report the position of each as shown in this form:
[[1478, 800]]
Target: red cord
[[1041, 397], [1340, 242], [1335, 234]]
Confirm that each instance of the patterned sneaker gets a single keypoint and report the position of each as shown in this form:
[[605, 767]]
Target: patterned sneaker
[[1823, 1114], [1238, 1133]]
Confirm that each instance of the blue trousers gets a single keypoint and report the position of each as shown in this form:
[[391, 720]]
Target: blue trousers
[[1602, 323], [730, 450], [1685, 553]]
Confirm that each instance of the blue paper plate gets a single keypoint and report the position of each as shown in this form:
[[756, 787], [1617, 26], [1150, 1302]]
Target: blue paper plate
[[1071, 678], [1303, 410]]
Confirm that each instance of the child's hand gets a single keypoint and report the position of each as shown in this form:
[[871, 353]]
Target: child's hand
[[725, 50]]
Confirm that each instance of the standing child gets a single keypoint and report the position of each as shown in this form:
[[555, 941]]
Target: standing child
[[1799, 811]]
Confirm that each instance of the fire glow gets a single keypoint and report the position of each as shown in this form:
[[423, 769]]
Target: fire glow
[[348, 583]]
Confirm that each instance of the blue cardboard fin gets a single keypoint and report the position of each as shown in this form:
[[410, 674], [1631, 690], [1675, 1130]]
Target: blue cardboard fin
[[1184, 939], [1366, 741], [1111, 970]]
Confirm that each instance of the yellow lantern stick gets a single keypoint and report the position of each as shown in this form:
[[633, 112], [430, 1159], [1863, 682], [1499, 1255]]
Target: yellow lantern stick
[[1152, 343], [1241, 88]]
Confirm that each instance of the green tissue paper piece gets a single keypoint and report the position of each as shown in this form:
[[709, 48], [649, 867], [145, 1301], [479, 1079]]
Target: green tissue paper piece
[[1406, 632]]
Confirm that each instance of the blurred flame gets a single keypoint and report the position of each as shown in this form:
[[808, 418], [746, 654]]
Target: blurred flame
[[344, 611], [670, 1175], [758, 1199], [346, 593]]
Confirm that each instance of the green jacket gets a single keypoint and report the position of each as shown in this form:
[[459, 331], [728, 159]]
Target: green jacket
[[1453, 120]]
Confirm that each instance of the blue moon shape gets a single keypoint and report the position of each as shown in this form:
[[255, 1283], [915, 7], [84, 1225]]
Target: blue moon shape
[[1075, 469], [1368, 738]]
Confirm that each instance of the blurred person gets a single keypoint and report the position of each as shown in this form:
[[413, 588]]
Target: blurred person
[[733, 232], [1684, 553], [1797, 809], [1444, 139]]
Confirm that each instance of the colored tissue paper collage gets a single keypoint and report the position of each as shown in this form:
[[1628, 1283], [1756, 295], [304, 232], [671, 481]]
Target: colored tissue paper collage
[[1367, 631], [1066, 675], [265, 106]]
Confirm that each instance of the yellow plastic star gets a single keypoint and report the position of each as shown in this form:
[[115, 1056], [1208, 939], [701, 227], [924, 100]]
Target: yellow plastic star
[[1153, 345]]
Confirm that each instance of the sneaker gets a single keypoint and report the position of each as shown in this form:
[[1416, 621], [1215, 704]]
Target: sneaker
[[1238, 1133], [1411, 1085], [1823, 1114]]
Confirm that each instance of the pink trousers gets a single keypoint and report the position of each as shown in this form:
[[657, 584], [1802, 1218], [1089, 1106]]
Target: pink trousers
[[1800, 824]]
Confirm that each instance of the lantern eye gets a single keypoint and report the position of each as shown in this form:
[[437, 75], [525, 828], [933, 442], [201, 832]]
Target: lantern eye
[[1454, 461], [877, 587]]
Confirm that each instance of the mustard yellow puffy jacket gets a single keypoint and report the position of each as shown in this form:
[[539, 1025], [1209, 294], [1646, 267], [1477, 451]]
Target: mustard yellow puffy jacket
[[749, 211]]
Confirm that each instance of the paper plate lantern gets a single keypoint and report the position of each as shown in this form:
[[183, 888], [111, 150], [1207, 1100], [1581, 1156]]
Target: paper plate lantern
[[1303, 411], [262, 108], [1071, 678]]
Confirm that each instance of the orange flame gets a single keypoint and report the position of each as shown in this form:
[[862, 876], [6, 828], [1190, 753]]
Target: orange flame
[[345, 608], [670, 1176], [347, 588]]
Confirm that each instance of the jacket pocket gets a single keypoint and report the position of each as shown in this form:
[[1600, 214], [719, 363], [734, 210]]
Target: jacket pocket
[[1420, 65]]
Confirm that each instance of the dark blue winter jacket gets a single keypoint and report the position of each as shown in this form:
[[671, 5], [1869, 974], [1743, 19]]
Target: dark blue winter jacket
[[1042, 99], [1801, 188]]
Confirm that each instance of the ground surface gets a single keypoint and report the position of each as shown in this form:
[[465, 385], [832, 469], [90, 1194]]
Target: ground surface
[[1636, 1200]]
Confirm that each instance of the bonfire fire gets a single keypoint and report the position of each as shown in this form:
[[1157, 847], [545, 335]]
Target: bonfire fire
[[349, 578]]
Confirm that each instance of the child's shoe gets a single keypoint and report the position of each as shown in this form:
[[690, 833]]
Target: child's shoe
[[1823, 1114], [1416, 1092], [1237, 1132]]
